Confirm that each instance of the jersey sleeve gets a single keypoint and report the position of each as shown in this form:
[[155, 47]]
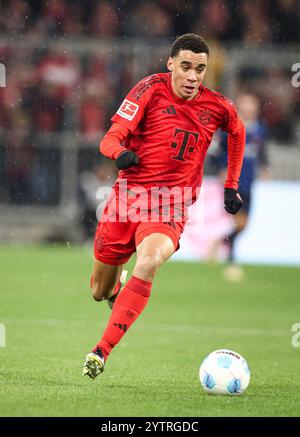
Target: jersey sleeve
[[111, 144], [235, 144], [133, 107], [231, 116]]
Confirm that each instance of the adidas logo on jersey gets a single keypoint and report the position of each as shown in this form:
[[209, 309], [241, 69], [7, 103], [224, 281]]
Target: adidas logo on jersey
[[170, 110]]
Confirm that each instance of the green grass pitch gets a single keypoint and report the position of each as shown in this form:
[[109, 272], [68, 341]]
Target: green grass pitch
[[52, 322]]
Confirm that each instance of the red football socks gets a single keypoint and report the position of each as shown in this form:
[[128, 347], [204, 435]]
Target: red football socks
[[127, 307]]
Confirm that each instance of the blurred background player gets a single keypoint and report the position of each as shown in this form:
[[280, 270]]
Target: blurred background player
[[255, 163]]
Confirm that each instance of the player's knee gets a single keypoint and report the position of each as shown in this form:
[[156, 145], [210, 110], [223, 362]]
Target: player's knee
[[150, 263], [99, 291], [97, 295]]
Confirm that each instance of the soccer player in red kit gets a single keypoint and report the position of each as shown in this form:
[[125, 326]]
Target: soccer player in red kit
[[159, 138]]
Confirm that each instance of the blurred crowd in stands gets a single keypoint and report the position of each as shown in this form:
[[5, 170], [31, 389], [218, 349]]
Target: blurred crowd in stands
[[51, 90], [250, 21]]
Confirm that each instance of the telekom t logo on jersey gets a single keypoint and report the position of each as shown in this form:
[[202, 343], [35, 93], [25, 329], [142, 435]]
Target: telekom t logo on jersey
[[128, 109], [186, 143]]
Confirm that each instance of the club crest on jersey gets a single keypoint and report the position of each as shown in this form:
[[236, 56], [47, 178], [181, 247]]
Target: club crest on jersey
[[204, 116], [128, 109]]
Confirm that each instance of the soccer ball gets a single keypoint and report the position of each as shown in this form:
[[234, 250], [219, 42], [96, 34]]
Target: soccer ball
[[224, 372]]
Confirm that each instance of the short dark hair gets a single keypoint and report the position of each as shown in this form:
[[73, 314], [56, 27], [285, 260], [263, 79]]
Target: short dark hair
[[189, 41]]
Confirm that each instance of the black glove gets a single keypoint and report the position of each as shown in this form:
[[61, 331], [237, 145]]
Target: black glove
[[232, 200], [126, 159]]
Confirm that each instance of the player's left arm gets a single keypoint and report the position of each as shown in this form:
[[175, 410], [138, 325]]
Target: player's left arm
[[236, 149]]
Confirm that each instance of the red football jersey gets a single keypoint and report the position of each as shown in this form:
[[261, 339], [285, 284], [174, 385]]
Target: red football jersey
[[171, 135]]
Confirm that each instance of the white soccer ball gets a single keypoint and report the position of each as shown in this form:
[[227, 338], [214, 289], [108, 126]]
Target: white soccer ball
[[224, 372]]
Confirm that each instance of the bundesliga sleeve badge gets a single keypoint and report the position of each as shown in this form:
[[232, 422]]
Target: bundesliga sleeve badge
[[128, 110]]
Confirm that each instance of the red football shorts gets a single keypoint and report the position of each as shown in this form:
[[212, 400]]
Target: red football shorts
[[115, 240]]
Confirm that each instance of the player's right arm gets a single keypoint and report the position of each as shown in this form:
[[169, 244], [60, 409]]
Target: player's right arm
[[125, 121], [111, 146]]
